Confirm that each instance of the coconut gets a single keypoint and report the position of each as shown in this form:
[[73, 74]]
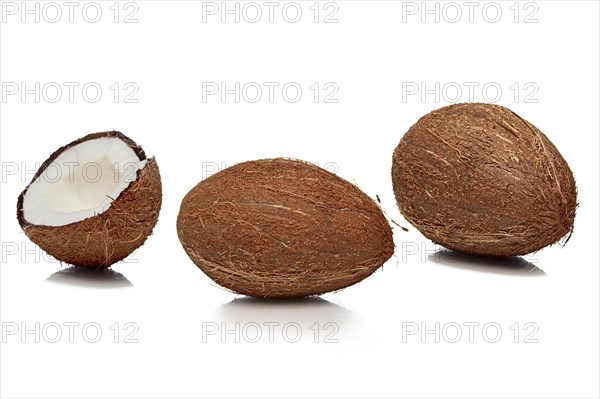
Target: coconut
[[479, 179], [282, 228], [93, 202]]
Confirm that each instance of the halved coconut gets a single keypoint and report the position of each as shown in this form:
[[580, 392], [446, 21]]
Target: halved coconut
[[93, 202]]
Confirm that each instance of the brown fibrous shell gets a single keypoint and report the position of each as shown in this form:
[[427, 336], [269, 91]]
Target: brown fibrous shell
[[479, 179], [282, 228]]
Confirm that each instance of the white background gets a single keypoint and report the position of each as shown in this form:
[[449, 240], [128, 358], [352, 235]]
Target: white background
[[375, 52]]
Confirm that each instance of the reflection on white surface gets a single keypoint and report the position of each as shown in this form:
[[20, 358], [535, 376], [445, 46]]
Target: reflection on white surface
[[515, 265], [84, 277], [303, 311]]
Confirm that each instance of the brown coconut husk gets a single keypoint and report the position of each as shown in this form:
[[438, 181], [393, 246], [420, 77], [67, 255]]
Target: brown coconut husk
[[106, 238], [479, 179], [283, 228]]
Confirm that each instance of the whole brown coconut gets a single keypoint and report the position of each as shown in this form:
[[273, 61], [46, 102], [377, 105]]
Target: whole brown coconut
[[70, 230], [282, 228], [479, 179]]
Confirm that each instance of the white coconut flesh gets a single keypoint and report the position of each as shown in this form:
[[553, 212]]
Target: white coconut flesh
[[81, 182]]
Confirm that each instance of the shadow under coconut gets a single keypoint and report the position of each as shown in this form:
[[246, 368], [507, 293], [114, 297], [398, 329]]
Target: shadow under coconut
[[304, 311], [515, 265], [84, 277]]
